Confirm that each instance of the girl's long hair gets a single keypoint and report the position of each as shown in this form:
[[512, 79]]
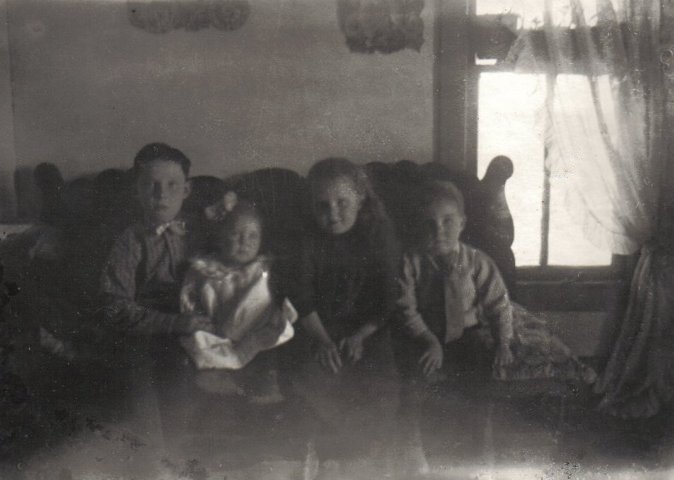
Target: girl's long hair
[[373, 221]]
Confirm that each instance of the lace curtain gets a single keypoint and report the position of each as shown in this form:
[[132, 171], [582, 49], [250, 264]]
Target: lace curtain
[[603, 113], [604, 116]]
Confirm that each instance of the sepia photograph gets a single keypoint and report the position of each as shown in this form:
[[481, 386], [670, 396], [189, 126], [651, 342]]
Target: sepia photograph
[[336, 239]]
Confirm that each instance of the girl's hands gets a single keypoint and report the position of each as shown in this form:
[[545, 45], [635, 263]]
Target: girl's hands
[[353, 347], [327, 352], [432, 357], [328, 355], [200, 322]]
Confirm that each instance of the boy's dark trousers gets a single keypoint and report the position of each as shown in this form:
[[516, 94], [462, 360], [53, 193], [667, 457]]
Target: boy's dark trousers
[[466, 361], [466, 367]]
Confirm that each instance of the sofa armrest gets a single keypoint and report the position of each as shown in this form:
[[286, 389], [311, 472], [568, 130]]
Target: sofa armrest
[[489, 223]]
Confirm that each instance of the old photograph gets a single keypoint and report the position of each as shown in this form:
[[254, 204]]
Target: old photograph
[[336, 239]]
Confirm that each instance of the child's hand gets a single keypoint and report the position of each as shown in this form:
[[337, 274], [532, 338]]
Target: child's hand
[[503, 358], [328, 355], [194, 323], [353, 346], [432, 357]]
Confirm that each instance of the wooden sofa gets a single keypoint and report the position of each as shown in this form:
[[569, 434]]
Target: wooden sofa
[[81, 218]]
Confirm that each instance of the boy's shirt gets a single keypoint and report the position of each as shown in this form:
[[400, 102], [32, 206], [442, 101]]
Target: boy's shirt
[[140, 284], [479, 295]]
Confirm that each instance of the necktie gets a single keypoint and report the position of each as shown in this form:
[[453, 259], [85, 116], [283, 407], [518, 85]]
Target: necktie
[[454, 321], [174, 226]]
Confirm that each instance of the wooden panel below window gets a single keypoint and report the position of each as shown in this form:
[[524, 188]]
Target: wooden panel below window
[[562, 295]]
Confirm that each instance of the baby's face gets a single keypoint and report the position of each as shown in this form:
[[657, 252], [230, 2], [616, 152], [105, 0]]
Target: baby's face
[[161, 187], [443, 223], [336, 205], [240, 243]]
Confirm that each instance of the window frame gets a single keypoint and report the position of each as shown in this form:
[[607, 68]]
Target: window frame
[[612, 272]]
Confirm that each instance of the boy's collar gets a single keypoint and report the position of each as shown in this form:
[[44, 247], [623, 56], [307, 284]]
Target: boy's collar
[[176, 226], [447, 261]]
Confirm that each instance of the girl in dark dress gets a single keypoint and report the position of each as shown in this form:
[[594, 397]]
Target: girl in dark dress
[[346, 293]]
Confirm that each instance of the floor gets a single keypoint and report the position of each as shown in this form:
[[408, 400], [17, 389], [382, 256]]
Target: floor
[[548, 434]]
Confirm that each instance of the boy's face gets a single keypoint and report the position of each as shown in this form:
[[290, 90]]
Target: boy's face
[[161, 187], [336, 205], [240, 243], [443, 223]]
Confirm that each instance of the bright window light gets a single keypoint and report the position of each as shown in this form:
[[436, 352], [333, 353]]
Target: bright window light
[[510, 123]]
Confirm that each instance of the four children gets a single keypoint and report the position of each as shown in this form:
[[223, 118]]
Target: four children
[[449, 298]]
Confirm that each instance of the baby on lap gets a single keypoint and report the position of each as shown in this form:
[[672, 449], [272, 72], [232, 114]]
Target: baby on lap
[[231, 286]]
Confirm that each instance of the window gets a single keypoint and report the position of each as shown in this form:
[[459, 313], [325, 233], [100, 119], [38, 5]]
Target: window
[[511, 122]]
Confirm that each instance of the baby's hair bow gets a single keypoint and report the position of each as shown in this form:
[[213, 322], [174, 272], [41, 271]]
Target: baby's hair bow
[[219, 210]]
